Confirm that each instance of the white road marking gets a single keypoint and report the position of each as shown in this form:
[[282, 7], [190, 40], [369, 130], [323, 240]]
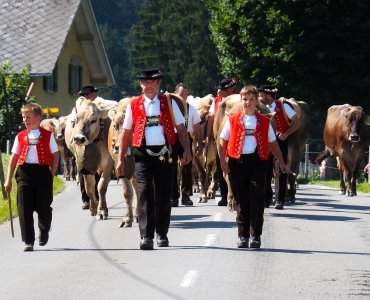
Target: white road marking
[[210, 240], [218, 217], [189, 278]]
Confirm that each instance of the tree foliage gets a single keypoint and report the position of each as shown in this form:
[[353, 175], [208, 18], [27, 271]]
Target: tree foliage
[[174, 36], [16, 86], [312, 50], [115, 19]]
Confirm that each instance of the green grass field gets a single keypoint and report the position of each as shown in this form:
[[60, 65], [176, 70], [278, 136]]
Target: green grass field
[[58, 186], [363, 187]]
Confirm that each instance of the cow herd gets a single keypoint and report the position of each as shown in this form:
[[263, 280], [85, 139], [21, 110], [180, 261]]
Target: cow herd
[[91, 146]]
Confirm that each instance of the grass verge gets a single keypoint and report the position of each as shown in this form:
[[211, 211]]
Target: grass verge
[[363, 187], [58, 186]]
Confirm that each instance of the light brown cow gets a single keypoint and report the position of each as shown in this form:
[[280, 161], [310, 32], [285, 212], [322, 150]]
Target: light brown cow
[[345, 136], [57, 125], [129, 184], [88, 142]]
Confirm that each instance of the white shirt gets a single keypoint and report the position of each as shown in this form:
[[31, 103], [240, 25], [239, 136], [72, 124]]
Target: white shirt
[[154, 135], [287, 108], [193, 117], [250, 143], [33, 136]]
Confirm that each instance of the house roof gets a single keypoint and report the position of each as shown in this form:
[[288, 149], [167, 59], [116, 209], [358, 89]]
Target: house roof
[[34, 32]]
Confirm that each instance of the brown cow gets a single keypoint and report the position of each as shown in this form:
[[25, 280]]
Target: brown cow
[[129, 184], [345, 136], [296, 146], [69, 161], [88, 142], [57, 126]]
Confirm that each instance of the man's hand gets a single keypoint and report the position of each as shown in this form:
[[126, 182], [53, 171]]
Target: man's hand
[[186, 158], [120, 169]]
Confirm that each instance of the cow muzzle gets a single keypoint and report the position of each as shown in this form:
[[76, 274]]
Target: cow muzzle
[[80, 139], [354, 137]]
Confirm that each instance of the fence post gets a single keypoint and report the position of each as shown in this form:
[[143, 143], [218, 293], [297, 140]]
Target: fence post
[[368, 171], [306, 162], [7, 147]]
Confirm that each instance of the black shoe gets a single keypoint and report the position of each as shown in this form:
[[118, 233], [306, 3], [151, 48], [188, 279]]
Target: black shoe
[[185, 200], [255, 242], [243, 242], [146, 243], [222, 202], [162, 240], [85, 205], [279, 205], [43, 238], [174, 203]]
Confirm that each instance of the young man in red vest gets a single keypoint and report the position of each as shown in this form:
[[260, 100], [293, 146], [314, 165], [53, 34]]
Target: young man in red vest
[[150, 121], [36, 153], [224, 87], [246, 138], [286, 122]]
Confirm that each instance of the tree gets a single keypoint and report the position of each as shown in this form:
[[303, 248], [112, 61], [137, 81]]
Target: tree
[[174, 36], [115, 19], [16, 86], [312, 50]]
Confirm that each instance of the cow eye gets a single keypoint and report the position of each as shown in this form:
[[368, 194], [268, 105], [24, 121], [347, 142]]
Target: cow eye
[[93, 121]]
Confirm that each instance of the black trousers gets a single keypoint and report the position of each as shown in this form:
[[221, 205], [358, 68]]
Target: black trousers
[[155, 181], [247, 178], [221, 180], [281, 193], [34, 194]]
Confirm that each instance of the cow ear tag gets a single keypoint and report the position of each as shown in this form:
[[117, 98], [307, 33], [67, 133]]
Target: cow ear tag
[[170, 160], [161, 158]]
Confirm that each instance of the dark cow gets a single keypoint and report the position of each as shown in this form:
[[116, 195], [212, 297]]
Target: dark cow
[[345, 136], [296, 145]]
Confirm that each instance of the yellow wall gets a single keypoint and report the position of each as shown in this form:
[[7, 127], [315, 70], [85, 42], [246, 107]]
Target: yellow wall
[[61, 98]]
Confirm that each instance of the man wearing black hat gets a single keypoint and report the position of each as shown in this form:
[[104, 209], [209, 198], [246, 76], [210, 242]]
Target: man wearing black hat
[[149, 122], [286, 122], [224, 87]]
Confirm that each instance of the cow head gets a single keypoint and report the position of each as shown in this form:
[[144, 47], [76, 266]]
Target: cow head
[[355, 121], [117, 115], [89, 120], [60, 126]]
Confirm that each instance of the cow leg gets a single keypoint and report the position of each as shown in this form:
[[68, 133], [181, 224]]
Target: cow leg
[[102, 212], [352, 183], [89, 181], [73, 168], [342, 183], [128, 195], [65, 169], [203, 179]]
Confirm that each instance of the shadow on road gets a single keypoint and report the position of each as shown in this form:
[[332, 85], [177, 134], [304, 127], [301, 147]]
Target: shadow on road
[[314, 217]]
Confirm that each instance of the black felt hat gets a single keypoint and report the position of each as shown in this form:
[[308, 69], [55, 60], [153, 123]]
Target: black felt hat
[[153, 74], [225, 83], [87, 89], [268, 89]]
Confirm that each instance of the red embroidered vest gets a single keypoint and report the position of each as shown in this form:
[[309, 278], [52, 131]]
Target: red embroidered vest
[[281, 120], [139, 120], [217, 100], [42, 147], [237, 135]]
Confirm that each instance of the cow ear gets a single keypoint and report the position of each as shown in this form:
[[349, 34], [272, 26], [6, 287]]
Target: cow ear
[[367, 120], [112, 113], [55, 122], [344, 112]]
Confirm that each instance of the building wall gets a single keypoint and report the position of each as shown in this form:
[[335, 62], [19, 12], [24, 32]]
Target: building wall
[[61, 99]]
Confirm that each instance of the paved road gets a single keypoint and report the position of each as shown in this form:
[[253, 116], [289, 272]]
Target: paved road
[[317, 249]]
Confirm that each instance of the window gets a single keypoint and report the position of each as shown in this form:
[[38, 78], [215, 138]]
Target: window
[[50, 83], [75, 77]]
